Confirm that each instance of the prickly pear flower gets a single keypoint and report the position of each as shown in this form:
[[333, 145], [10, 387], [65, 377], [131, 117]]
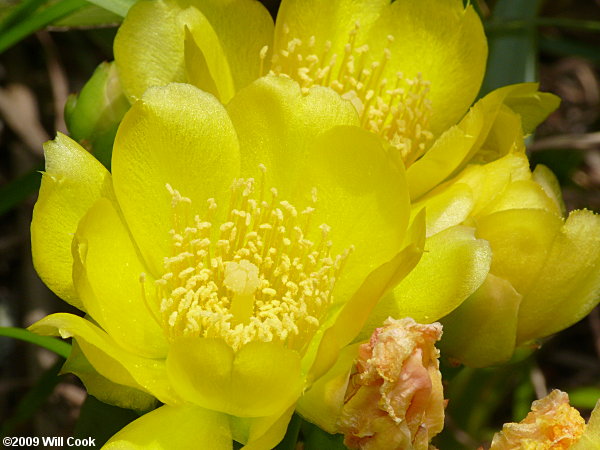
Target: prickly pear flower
[[543, 275], [225, 261], [385, 393], [551, 424]]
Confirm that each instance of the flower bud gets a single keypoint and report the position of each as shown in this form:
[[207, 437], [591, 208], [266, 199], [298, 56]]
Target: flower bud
[[94, 115]]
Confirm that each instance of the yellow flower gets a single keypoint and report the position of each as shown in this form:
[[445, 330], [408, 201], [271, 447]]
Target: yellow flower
[[545, 270], [225, 261], [385, 393], [411, 69], [551, 424]]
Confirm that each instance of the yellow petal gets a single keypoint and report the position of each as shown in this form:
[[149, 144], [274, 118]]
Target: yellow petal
[[327, 21], [150, 45], [175, 135], [177, 427], [446, 154], [322, 403], [102, 388], [489, 131], [73, 181], [261, 432], [443, 41], [244, 27], [533, 106], [548, 182], [489, 181], [460, 264], [523, 194], [205, 62], [277, 125], [481, 332], [344, 324], [260, 379], [568, 285], [108, 276], [590, 440], [520, 240], [446, 207], [108, 358], [305, 142]]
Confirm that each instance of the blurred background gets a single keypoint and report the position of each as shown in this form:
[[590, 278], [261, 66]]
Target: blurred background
[[48, 49]]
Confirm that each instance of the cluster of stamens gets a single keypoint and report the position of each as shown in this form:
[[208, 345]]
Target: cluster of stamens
[[255, 278], [397, 109]]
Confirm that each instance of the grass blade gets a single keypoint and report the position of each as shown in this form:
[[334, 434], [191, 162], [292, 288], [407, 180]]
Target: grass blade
[[39, 20], [54, 345]]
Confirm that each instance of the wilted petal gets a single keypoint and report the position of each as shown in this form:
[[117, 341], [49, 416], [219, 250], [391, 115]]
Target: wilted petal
[[551, 424], [395, 398]]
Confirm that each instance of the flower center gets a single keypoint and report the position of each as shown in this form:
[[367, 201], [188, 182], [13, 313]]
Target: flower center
[[396, 109], [254, 277]]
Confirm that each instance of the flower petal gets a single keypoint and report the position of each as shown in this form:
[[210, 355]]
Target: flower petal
[[180, 427], [175, 135], [590, 439], [327, 21], [102, 388], [150, 45], [260, 379], [244, 27], [446, 207], [108, 275], [490, 316], [277, 125], [488, 132], [258, 433], [345, 323], [322, 403], [73, 181], [305, 142], [520, 240], [108, 358], [441, 40], [460, 263], [568, 285]]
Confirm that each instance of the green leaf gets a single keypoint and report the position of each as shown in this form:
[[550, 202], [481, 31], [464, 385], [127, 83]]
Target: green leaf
[[54, 345], [89, 16], [584, 397], [512, 51], [20, 12], [33, 400], [317, 439], [119, 7], [38, 20], [18, 190]]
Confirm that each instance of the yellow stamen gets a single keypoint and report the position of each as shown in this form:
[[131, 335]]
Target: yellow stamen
[[398, 110], [255, 276]]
